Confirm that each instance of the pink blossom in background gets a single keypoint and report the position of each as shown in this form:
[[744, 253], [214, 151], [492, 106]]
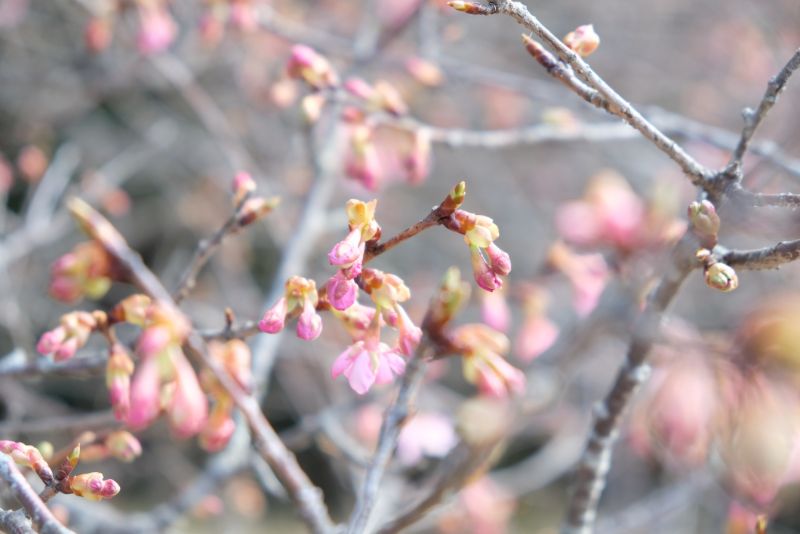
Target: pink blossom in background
[[483, 507], [587, 273], [427, 434], [495, 311]]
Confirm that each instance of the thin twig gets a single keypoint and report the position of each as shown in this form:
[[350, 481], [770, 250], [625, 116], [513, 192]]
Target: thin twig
[[387, 439], [753, 118], [595, 463], [760, 200], [761, 258], [41, 516], [615, 104]]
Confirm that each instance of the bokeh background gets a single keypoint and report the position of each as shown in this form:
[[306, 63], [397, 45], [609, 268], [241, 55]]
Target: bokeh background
[[155, 139]]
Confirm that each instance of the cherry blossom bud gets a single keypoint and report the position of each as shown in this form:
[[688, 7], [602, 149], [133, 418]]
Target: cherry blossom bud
[[424, 71], [495, 311], [721, 276], [583, 40], [388, 98], [28, 456], [470, 8], [484, 276], [538, 52], [217, 433], [243, 185], [123, 446], [153, 340], [188, 408], [359, 88], [145, 393], [499, 259], [132, 309], [705, 222], [32, 163], [256, 208], [311, 67], [341, 292], [453, 293], [157, 30], [312, 106], [97, 34], [418, 162], [93, 487], [309, 325], [118, 378], [347, 251], [274, 318]]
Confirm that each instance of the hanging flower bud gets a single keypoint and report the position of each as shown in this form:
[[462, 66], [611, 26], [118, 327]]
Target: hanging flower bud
[[243, 185], [388, 98], [341, 292], [309, 66], [118, 380], [483, 365], [418, 163], [85, 271], [274, 318], [28, 456], [583, 40], [188, 408], [123, 446], [73, 333], [309, 325], [145, 396]]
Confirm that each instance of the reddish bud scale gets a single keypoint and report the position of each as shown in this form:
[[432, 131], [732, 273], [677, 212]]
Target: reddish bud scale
[[473, 8]]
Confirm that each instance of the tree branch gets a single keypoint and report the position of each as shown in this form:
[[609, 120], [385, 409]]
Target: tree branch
[[596, 460], [761, 258], [41, 516], [753, 118]]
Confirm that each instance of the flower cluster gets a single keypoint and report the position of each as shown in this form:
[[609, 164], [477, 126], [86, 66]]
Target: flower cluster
[[92, 486], [481, 348], [164, 378], [368, 360], [71, 334], [348, 254], [28, 456], [86, 271], [489, 262], [299, 300], [234, 355]]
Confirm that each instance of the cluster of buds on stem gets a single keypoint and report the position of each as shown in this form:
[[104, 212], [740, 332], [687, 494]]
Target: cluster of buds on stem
[[164, 379], [368, 360], [86, 271], [489, 262], [300, 300], [91, 486], [234, 355], [348, 254], [71, 334], [717, 275]]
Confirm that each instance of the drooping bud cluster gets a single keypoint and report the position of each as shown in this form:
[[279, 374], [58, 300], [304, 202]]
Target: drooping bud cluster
[[86, 271], [300, 300], [234, 355], [481, 348], [348, 254], [583, 40], [369, 361], [72, 333], [489, 262], [717, 275], [164, 379]]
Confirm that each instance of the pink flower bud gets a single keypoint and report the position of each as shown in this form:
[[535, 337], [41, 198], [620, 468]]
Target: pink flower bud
[[123, 445], [51, 341], [216, 435], [309, 325], [188, 409], [243, 184], [91, 486], [67, 350], [274, 318], [157, 30], [145, 393], [341, 292], [153, 340], [359, 88], [97, 34], [118, 372], [484, 276], [500, 260], [347, 251], [495, 311]]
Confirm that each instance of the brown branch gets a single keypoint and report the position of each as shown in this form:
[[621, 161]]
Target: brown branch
[[396, 416], [753, 118], [606, 98], [595, 463], [761, 258], [41, 516], [760, 200], [306, 496]]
